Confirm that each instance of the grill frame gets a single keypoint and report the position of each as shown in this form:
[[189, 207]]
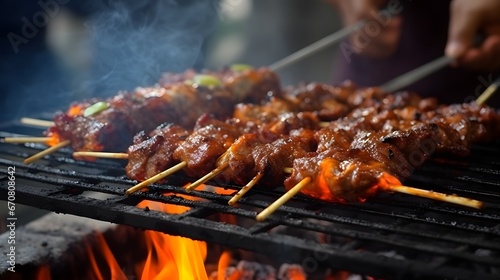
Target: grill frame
[[358, 242]]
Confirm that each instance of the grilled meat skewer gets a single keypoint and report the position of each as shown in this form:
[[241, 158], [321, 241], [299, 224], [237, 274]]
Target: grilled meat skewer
[[201, 148], [353, 173], [112, 125]]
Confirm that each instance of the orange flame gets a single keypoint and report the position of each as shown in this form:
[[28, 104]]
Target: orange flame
[[172, 257], [169, 257], [115, 271], [224, 260]]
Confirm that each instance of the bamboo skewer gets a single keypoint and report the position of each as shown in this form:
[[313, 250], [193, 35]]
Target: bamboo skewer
[[486, 95], [454, 199], [156, 178], [37, 122], [401, 189], [250, 185], [207, 177], [101, 155], [450, 198], [324, 124], [245, 189], [282, 200], [488, 92], [46, 152], [25, 139]]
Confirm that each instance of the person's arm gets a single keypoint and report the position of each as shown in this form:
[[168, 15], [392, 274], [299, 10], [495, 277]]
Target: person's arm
[[467, 20], [379, 37]]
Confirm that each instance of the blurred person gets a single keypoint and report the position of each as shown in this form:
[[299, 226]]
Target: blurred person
[[408, 34]]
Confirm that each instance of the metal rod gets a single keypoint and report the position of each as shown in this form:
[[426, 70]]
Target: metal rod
[[416, 74], [317, 46]]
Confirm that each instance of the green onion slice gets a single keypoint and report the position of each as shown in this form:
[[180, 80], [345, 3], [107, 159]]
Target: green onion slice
[[206, 80], [95, 108], [240, 67]]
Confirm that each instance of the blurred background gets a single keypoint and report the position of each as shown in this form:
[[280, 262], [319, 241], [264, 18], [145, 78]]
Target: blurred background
[[54, 52]]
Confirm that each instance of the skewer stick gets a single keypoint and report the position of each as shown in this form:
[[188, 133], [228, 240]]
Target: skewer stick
[[37, 122], [317, 46], [488, 92], [207, 177], [282, 200], [245, 188], [25, 139], [250, 185], [324, 124], [450, 198], [101, 155], [156, 178], [46, 152]]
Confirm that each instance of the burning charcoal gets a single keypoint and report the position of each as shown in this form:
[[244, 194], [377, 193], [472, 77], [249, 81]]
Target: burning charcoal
[[249, 269], [266, 273], [256, 271], [246, 270], [291, 272], [231, 273]]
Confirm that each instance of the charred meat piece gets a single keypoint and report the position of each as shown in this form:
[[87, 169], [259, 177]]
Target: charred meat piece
[[152, 155], [271, 159], [346, 175], [205, 145]]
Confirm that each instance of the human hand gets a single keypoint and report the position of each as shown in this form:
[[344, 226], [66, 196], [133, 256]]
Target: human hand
[[467, 20], [379, 36]]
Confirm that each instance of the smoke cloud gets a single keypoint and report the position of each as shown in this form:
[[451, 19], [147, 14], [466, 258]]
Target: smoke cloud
[[130, 43], [133, 42]]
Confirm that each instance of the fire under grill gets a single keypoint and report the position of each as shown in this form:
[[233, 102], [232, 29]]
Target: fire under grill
[[389, 236]]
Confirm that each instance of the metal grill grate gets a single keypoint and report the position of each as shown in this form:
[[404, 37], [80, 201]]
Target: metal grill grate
[[390, 236]]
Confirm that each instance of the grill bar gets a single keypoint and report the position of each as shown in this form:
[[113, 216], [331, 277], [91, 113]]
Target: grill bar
[[392, 234]]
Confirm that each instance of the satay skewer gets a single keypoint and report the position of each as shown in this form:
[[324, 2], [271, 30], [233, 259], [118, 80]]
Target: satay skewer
[[47, 151], [20, 140], [250, 185], [143, 184], [282, 200], [245, 189], [488, 92], [207, 177], [37, 122], [101, 155], [156, 178], [450, 198]]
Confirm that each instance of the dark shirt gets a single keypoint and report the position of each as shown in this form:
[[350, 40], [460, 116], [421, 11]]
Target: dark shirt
[[423, 38]]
